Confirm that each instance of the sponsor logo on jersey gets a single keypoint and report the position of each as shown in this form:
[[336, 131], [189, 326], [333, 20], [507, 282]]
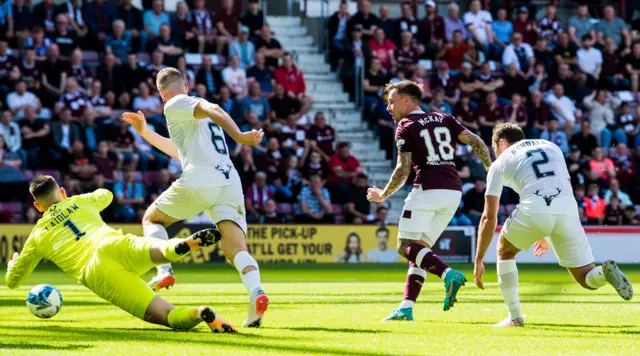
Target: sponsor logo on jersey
[[226, 171], [548, 198]]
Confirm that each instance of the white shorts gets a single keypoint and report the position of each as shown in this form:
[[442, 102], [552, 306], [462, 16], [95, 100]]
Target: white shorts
[[563, 232], [219, 203], [426, 213]]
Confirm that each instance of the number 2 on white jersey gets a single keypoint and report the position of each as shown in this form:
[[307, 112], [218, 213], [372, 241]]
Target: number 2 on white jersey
[[443, 139]]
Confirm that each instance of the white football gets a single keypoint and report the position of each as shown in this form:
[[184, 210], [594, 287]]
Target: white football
[[44, 301]]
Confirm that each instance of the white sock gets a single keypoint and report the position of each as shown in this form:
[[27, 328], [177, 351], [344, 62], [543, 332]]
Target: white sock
[[444, 274], [508, 281], [595, 278], [406, 304], [251, 279], [157, 231]]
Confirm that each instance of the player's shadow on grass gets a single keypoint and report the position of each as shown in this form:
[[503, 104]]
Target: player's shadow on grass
[[332, 330], [30, 346]]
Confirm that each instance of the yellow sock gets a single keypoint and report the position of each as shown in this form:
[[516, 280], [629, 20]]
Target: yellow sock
[[169, 251], [184, 318]]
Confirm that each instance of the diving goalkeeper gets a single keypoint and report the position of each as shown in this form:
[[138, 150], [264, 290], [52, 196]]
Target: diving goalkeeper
[[72, 235]]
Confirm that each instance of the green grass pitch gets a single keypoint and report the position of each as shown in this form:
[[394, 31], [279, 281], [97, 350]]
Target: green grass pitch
[[334, 310]]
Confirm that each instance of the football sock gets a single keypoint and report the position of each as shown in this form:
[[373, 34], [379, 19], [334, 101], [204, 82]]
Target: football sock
[[412, 285], [158, 231], [508, 282], [426, 259], [251, 279], [184, 318], [170, 253], [595, 278]]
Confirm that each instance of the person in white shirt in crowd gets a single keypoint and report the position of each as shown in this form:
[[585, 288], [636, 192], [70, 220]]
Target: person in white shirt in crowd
[[10, 131], [19, 99], [602, 106], [520, 54], [590, 59], [235, 77], [562, 107], [150, 105], [478, 23], [614, 191], [382, 253]]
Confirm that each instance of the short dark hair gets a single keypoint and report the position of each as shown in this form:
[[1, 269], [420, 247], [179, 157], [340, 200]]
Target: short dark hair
[[342, 145], [406, 87], [508, 131], [42, 186], [361, 176], [587, 37]]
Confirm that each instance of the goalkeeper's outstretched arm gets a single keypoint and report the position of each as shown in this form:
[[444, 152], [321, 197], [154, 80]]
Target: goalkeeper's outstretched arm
[[21, 265]]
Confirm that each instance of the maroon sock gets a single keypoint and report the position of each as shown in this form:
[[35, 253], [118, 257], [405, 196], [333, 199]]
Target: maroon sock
[[426, 259], [413, 283]]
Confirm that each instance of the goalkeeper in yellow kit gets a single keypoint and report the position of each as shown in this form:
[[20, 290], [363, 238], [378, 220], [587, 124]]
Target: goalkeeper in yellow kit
[[72, 235]]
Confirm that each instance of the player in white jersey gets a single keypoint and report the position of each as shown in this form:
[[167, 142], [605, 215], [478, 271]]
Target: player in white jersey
[[209, 181], [547, 212]]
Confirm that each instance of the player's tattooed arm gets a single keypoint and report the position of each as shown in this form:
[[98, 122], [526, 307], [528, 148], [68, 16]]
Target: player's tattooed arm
[[399, 176], [478, 146]]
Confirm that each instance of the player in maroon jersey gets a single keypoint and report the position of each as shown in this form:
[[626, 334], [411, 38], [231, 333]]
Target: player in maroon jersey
[[426, 142]]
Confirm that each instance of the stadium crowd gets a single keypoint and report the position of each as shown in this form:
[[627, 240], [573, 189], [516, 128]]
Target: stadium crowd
[[68, 71], [573, 83]]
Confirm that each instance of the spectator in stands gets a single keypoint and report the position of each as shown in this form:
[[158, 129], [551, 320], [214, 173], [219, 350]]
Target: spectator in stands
[[478, 22], [601, 106], [110, 75], [36, 137], [612, 26], [407, 22], [380, 216], [502, 30], [577, 166], [283, 105], [246, 166], [243, 48], [10, 173], [473, 56], [227, 23], [454, 23], [53, 75], [630, 125], [632, 67], [44, 15], [438, 104], [549, 26], [235, 77], [106, 161], [543, 56], [38, 42], [79, 71], [516, 112], [519, 54], [474, 201], [315, 165], [156, 65], [256, 104], [11, 133], [554, 134], [154, 18], [256, 197], [64, 133], [613, 212], [562, 107], [22, 21], [132, 18], [364, 18], [358, 207], [183, 68], [149, 104], [293, 138], [119, 42], [253, 18], [581, 24], [514, 82], [466, 113], [338, 35], [537, 113], [271, 161], [453, 52], [613, 67], [321, 137], [407, 53], [271, 215], [161, 183], [129, 197], [262, 75], [386, 23], [443, 79], [133, 74], [200, 21], [585, 140], [64, 37], [20, 99], [375, 80], [491, 113], [290, 180], [269, 46], [615, 192], [169, 46], [590, 60], [565, 52], [99, 15], [432, 30], [421, 78], [230, 105], [344, 168], [30, 70], [209, 76], [91, 134], [292, 79], [594, 206], [124, 145], [625, 167], [630, 216], [602, 168], [81, 167], [315, 203], [383, 49], [73, 99]]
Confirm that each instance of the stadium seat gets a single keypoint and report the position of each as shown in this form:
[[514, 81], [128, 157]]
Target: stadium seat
[[49, 172], [284, 208], [12, 211], [337, 209], [149, 178]]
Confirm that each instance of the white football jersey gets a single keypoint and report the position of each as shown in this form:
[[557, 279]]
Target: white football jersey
[[204, 154], [536, 170]]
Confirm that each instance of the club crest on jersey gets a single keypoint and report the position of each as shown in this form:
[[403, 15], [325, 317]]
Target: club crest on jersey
[[548, 198], [223, 171], [399, 143]]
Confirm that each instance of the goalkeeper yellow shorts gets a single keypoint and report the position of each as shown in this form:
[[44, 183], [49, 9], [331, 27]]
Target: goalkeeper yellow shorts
[[113, 273]]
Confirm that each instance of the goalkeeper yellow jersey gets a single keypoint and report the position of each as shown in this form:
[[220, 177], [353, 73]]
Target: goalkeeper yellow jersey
[[67, 234]]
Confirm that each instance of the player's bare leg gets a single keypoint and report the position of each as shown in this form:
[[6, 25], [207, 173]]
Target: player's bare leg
[[235, 249], [508, 282], [164, 313], [154, 223], [593, 277]]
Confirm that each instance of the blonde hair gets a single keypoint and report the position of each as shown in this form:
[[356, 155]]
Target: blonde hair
[[168, 77]]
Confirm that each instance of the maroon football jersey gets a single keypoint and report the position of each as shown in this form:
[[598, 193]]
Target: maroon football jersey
[[431, 138]]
